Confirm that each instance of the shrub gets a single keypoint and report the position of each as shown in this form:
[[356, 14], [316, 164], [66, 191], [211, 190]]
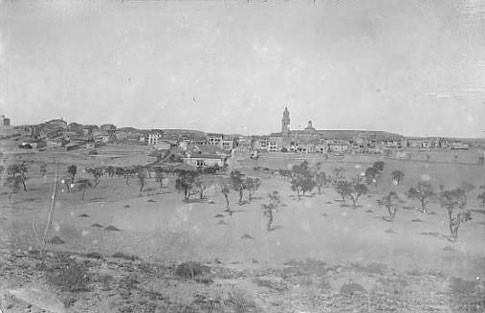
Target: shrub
[[190, 270]]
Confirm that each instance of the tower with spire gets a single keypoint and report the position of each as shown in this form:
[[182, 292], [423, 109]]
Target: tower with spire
[[285, 125]]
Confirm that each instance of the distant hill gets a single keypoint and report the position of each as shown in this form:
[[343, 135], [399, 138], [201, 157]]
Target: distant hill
[[184, 132]]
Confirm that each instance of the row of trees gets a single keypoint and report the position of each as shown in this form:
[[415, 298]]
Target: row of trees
[[193, 182]]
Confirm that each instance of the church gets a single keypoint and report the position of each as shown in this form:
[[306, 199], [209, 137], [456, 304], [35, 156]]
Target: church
[[311, 140]]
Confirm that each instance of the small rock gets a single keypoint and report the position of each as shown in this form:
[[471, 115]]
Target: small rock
[[112, 228], [56, 241]]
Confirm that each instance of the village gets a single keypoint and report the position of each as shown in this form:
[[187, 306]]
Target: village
[[212, 148]]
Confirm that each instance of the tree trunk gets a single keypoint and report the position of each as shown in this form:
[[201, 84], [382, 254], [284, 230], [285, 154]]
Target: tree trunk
[[227, 201], [240, 195], [270, 221], [84, 190], [454, 226]]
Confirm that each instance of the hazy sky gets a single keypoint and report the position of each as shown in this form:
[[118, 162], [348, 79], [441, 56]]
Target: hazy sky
[[408, 66]]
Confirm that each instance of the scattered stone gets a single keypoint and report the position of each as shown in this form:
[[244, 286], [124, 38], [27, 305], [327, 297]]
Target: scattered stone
[[417, 220], [324, 214], [247, 236], [112, 228], [127, 206], [219, 215], [151, 200], [390, 231], [84, 215], [352, 288], [222, 222], [369, 211], [56, 241], [97, 225]]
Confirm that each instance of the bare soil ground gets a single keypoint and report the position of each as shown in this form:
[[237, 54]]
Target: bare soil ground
[[322, 255]]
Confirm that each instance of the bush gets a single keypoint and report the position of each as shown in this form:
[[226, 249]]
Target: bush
[[190, 270]]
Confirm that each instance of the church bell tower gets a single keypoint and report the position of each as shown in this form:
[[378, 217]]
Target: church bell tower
[[285, 124]]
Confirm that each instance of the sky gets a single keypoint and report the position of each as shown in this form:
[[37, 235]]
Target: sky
[[414, 67]]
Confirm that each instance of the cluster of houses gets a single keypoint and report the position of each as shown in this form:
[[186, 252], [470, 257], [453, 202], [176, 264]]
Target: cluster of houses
[[57, 133], [311, 140]]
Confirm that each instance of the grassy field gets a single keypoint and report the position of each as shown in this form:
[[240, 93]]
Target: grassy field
[[318, 249]]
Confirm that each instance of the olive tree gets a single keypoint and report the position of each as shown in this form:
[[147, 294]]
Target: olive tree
[[238, 183], [390, 202], [352, 190], [455, 201], [185, 182], [422, 192], [252, 185], [397, 176], [270, 208], [83, 185], [302, 180]]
